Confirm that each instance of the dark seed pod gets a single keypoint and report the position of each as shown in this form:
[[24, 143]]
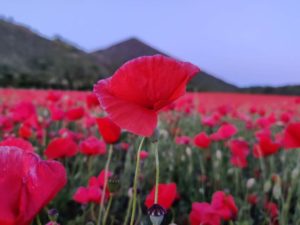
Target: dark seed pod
[[114, 184], [156, 214]]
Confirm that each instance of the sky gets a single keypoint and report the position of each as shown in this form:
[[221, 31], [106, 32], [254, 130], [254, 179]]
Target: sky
[[244, 42]]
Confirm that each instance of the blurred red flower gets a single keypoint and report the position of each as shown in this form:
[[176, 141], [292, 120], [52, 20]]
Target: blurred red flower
[[291, 138], [144, 155], [239, 151], [92, 146], [252, 199], [137, 91], [109, 130], [61, 147], [84, 195], [204, 213], [25, 131], [92, 100], [265, 147], [182, 140], [18, 142], [27, 184], [56, 113], [167, 194], [94, 191], [23, 111], [202, 140], [273, 212], [75, 114], [224, 132], [224, 205]]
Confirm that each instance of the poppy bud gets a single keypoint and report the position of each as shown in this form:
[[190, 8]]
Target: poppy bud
[[295, 173], [53, 215], [113, 184], [250, 183], [156, 214]]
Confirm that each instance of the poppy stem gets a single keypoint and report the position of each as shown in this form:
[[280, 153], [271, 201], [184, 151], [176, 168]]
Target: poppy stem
[[105, 184], [136, 175], [157, 173], [107, 210], [128, 211], [38, 220]]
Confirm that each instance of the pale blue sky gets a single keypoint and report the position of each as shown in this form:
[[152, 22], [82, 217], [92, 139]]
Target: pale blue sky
[[244, 42]]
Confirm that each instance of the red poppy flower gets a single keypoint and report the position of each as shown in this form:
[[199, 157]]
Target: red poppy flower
[[166, 195], [23, 111], [27, 184], [92, 100], [109, 130], [265, 147], [6, 124], [211, 121], [252, 199], [61, 147], [56, 113], [25, 131], [85, 195], [101, 177], [226, 131], [93, 146], [182, 140], [204, 213], [291, 137], [75, 114], [140, 88], [18, 142], [54, 96], [201, 140], [94, 191], [144, 155], [264, 133], [286, 117], [239, 151], [273, 212], [225, 206]]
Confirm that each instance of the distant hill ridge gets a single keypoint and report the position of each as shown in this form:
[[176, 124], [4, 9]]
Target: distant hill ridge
[[29, 60]]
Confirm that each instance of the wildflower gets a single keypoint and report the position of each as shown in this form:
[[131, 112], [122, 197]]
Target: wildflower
[[137, 91], [109, 130], [166, 195], [27, 184]]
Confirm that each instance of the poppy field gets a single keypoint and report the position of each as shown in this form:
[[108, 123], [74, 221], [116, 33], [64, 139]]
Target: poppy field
[[139, 150]]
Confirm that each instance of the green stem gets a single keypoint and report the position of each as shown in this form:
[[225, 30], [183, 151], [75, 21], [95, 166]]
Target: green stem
[[263, 168], [157, 173], [93, 211], [127, 212], [107, 210], [38, 220], [136, 176], [90, 165], [236, 174], [105, 184]]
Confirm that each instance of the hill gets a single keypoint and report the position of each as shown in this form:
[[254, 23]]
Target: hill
[[30, 60], [114, 56]]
